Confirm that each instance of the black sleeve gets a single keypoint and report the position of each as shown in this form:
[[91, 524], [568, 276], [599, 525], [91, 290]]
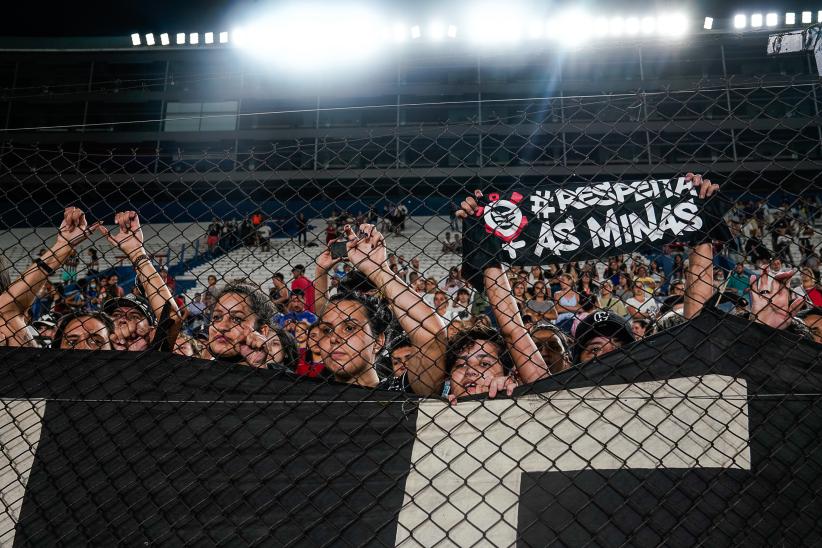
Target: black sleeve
[[160, 343]]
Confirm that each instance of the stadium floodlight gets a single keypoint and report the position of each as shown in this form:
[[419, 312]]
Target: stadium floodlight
[[756, 20], [709, 23], [164, 39], [181, 38], [209, 38], [150, 39], [819, 16], [648, 25], [600, 27], [496, 23], [673, 25], [536, 29], [632, 26], [415, 32], [807, 17], [399, 32], [224, 37], [135, 39], [452, 31], [616, 26], [239, 37], [194, 38], [437, 31], [790, 18], [740, 21], [771, 19]]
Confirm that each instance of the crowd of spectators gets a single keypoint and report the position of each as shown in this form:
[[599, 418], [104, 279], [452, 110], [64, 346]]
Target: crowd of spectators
[[375, 319]]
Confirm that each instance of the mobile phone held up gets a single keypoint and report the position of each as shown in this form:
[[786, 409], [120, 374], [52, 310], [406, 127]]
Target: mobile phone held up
[[339, 250]]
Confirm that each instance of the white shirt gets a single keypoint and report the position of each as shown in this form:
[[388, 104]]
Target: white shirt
[[649, 307]]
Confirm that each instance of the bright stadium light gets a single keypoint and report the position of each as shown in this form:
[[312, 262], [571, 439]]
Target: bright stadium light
[[819, 16], [164, 39], [616, 26], [239, 37], [194, 38], [415, 32], [452, 31], [771, 19], [437, 31], [135, 39], [209, 38], [224, 37], [673, 25], [570, 28], [756, 20], [790, 18], [600, 27], [648, 25], [536, 29], [740, 21], [709, 23], [807, 17], [150, 39], [632, 26], [399, 32], [490, 24], [181, 38]]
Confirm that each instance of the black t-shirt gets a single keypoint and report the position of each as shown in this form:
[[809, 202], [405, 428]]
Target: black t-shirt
[[395, 384]]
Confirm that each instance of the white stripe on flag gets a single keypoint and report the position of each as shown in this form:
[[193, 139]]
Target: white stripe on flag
[[467, 461], [20, 426]]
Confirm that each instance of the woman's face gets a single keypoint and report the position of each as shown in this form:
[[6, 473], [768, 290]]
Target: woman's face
[[419, 285], [519, 289], [85, 333], [565, 282], [347, 345], [586, 278], [639, 290], [475, 367], [232, 321], [605, 289], [539, 289], [182, 347]]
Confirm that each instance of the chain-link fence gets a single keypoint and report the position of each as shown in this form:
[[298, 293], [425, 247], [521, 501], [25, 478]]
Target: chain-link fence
[[352, 315]]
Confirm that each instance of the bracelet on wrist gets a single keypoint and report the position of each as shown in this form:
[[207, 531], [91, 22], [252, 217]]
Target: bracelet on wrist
[[41, 264], [137, 261]]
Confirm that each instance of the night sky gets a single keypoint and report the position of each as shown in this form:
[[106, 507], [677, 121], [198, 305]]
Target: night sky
[[122, 17]]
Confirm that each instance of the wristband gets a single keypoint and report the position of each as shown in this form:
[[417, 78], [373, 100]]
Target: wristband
[[139, 259], [41, 264]]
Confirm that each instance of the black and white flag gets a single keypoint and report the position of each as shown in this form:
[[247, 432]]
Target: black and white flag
[[579, 222], [709, 434]]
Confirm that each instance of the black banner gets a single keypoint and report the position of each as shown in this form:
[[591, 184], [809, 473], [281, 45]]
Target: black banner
[[579, 222], [707, 434]]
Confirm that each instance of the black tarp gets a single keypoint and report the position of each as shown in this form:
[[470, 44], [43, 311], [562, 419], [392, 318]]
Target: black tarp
[[164, 450]]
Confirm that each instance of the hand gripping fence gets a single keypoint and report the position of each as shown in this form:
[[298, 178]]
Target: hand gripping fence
[[571, 320]]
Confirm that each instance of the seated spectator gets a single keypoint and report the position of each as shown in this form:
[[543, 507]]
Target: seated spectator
[[462, 301], [212, 286], [442, 306], [540, 306], [624, 289], [600, 333], [641, 305], [586, 285], [241, 330], [84, 331], [608, 301], [310, 363], [566, 299], [739, 280], [296, 311]]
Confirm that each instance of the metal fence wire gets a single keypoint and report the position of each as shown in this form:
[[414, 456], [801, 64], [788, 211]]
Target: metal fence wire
[[591, 321]]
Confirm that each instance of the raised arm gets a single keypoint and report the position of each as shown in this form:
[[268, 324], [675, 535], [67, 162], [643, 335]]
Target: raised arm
[[528, 361], [324, 265], [426, 371], [18, 297], [699, 277], [129, 238]]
